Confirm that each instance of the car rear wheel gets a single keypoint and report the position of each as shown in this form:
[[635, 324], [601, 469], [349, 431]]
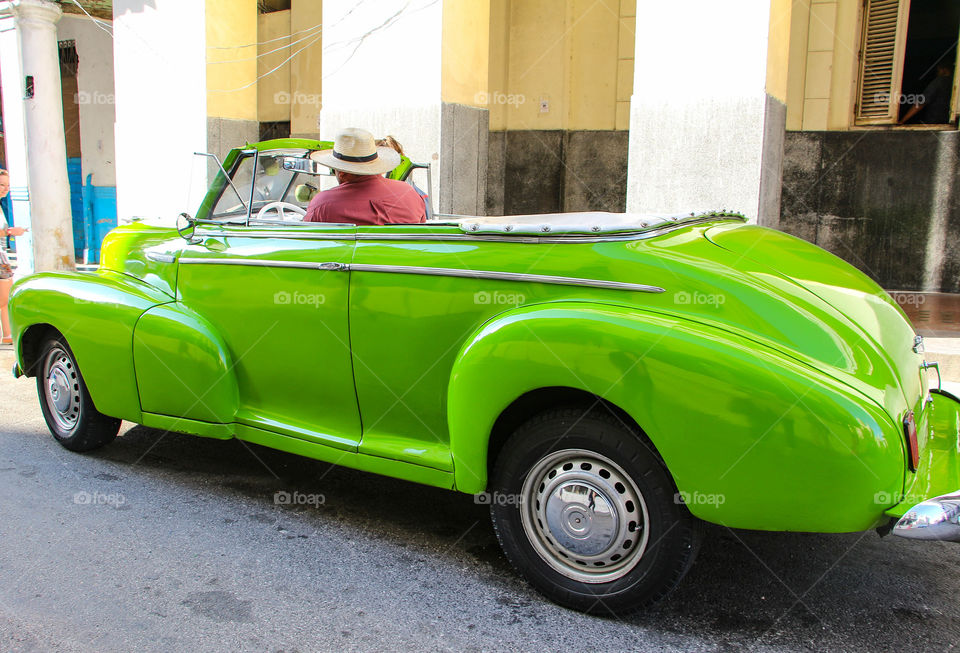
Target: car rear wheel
[[66, 405], [586, 511]]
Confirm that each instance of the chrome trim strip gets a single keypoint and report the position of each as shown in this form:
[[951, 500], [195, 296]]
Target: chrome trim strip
[[276, 234], [261, 263], [506, 276], [160, 258], [433, 272], [504, 238]]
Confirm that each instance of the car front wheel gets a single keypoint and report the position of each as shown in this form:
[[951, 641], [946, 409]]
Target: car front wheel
[[65, 402], [586, 511]]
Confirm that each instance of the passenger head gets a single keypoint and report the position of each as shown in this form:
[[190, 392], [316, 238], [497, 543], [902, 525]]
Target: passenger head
[[4, 183], [390, 141]]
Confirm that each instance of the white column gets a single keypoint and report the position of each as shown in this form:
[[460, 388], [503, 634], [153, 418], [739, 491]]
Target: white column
[[159, 59], [381, 72], [15, 134], [705, 131], [390, 68], [51, 222]]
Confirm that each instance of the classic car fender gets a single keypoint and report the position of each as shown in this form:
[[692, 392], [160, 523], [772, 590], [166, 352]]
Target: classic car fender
[[183, 366], [96, 314], [753, 438]]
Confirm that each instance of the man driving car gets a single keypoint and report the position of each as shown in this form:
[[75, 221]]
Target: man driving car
[[363, 196]]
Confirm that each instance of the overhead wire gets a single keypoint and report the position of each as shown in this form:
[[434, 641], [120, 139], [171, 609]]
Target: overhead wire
[[99, 23], [250, 45], [269, 72], [264, 54]]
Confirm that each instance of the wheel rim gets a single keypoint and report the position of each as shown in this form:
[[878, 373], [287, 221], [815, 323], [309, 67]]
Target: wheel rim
[[584, 516], [62, 385]]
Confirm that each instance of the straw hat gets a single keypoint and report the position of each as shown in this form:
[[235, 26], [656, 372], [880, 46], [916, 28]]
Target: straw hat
[[355, 151]]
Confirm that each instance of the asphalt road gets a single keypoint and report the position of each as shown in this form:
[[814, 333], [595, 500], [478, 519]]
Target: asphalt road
[[170, 542]]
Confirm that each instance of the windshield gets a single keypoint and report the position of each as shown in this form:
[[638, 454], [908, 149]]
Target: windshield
[[275, 182]]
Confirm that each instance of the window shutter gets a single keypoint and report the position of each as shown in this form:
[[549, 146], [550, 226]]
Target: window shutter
[[881, 61]]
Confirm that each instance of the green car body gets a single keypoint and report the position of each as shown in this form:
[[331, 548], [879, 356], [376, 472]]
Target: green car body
[[772, 378]]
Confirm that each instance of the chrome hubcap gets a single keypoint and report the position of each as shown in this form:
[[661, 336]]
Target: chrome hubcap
[[584, 516], [63, 389]]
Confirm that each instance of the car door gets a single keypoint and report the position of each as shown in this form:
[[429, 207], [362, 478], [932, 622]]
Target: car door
[[275, 295]]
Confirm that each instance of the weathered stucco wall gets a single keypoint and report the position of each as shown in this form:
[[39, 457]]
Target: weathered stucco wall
[[884, 201], [545, 171]]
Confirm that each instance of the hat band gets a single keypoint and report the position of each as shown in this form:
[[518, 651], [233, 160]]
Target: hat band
[[354, 159]]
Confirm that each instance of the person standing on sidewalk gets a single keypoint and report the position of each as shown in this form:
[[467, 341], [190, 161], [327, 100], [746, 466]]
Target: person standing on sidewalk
[[6, 272]]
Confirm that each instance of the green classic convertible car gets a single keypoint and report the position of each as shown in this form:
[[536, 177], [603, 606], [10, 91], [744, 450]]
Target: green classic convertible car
[[605, 381]]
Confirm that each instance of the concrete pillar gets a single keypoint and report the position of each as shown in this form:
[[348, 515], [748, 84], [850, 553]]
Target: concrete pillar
[[51, 222], [159, 56], [417, 71], [708, 110], [15, 135]]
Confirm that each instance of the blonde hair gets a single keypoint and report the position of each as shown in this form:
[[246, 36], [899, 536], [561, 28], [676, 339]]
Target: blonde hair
[[390, 141]]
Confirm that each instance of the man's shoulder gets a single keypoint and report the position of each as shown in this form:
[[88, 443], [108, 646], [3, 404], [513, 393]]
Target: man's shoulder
[[398, 187]]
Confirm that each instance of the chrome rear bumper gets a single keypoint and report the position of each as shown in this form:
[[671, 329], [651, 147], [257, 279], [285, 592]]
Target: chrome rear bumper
[[933, 519]]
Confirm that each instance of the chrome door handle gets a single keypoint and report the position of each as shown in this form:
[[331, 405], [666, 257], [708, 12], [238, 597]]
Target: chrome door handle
[[336, 267]]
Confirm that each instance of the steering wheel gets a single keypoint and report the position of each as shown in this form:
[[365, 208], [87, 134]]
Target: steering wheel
[[280, 207]]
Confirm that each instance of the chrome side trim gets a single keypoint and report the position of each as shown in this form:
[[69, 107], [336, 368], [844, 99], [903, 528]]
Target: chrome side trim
[[506, 276], [262, 263], [433, 272], [276, 234], [160, 258]]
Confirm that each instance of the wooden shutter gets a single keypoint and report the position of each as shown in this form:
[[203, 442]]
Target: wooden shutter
[[881, 61]]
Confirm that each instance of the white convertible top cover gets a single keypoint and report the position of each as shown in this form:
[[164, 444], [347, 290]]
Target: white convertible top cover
[[585, 223]]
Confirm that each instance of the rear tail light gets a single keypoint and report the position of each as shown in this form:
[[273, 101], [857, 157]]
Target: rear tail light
[[913, 449]]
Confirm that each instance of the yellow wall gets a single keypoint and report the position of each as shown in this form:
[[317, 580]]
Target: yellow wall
[[273, 89], [465, 52], [822, 77], [625, 54], [231, 24], [305, 70], [498, 62], [561, 64], [778, 49]]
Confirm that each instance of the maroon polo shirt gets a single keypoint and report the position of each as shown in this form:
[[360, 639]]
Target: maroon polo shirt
[[372, 199]]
